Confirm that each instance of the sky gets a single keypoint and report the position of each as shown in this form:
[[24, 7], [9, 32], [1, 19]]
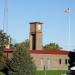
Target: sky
[[49, 12]]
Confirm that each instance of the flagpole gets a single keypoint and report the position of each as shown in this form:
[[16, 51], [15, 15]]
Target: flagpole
[[67, 10], [69, 29]]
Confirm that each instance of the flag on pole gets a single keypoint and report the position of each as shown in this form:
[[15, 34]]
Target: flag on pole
[[67, 10]]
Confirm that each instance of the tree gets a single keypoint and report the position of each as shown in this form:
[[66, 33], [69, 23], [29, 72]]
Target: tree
[[2, 60], [22, 63], [25, 43], [52, 46], [3, 42], [71, 59]]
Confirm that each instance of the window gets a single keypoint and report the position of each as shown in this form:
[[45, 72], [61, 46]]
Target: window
[[66, 61], [59, 61], [42, 62], [33, 42], [48, 61]]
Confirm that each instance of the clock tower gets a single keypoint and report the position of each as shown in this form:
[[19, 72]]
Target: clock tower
[[36, 36]]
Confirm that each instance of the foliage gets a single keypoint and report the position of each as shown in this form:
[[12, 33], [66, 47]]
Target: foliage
[[52, 46], [4, 40], [1, 73], [71, 59], [21, 63], [2, 60], [25, 44]]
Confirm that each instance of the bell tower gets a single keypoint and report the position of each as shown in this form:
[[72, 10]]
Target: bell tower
[[35, 36]]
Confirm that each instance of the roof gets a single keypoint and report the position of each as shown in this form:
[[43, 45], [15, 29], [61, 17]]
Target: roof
[[8, 50], [61, 52], [36, 23]]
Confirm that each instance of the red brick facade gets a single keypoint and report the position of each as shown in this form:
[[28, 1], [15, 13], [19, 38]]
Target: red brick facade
[[51, 59]]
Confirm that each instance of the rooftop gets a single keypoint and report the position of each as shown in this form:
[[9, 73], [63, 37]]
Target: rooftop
[[61, 52], [36, 23]]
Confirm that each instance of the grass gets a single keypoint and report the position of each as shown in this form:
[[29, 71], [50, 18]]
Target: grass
[[51, 72]]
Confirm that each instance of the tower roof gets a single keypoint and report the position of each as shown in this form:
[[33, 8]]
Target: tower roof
[[36, 23]]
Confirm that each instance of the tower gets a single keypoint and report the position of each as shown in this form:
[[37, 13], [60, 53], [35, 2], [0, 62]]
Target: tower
[[35, 36]]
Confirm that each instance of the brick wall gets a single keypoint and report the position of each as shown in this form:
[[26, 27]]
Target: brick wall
[[50, 61]]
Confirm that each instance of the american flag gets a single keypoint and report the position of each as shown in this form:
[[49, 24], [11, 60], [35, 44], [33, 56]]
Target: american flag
[[67, 10]]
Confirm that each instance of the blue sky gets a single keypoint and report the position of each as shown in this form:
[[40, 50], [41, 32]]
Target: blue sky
[[50, 12]]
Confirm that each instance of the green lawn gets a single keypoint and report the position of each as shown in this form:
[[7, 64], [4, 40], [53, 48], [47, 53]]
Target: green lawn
[[51, 72]]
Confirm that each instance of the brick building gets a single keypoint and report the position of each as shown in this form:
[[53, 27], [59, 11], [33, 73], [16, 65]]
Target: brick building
[[50, 59], [43, 59]]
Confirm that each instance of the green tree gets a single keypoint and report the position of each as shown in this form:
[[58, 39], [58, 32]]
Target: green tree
[[3, 41], [25, 43], [2, 60], [22, 63], [52, 46]]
